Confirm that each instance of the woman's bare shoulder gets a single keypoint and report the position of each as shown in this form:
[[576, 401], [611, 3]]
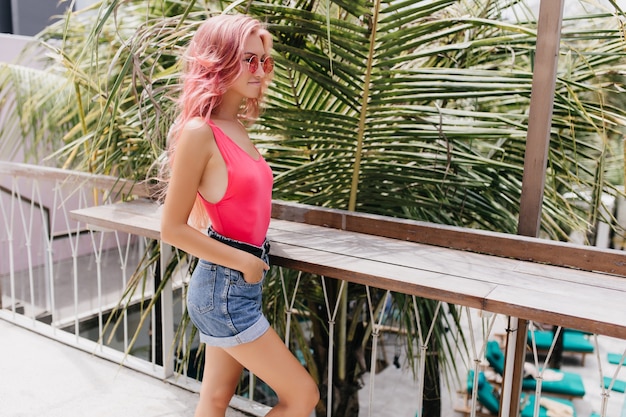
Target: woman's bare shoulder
[[197, 130], [197, 125]]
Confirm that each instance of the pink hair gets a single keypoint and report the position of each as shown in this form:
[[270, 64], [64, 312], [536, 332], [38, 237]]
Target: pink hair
[[211, 63]]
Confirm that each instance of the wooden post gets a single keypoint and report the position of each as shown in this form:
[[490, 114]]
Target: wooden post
[[533, 182], [540, 116]]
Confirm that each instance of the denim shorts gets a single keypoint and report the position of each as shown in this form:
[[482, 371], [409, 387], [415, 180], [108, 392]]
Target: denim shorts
[[225, 308]]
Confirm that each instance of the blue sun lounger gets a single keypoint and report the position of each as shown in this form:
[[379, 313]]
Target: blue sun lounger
[[488, 399], [569, 385], [573, 342]]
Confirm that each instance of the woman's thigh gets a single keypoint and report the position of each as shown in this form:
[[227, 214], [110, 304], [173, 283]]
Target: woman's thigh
[[221, 374], [269, 359]]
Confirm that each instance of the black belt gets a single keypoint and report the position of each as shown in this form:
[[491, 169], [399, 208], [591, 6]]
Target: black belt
[[258, 251]]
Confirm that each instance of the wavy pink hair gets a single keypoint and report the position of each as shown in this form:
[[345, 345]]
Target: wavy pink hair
[[211, 63]]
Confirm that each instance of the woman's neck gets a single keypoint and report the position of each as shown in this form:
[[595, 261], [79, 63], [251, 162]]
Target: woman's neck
[[226, 116], [228, 109]]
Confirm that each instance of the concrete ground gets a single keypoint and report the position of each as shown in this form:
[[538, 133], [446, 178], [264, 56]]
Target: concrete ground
[[40, 377]]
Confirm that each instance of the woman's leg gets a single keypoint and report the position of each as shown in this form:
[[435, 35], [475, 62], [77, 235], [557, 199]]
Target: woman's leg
[[269, 359], [219, 381]]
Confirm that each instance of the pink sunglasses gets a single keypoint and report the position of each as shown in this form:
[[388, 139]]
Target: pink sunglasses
[[267, 64]]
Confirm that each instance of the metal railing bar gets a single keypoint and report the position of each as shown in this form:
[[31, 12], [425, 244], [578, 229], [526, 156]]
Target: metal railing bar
[[116, 187], [289, 310], [331, 336]]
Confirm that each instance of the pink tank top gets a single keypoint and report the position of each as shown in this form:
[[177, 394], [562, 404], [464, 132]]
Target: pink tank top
[[245, 210]]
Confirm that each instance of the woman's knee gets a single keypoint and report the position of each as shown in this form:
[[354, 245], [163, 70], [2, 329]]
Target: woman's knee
[[313, 395], [306, 396], [217, 396]]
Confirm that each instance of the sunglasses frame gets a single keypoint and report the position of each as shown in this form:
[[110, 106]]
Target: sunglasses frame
[[254, 61]]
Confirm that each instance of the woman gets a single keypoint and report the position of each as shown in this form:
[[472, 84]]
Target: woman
[[217, 173]]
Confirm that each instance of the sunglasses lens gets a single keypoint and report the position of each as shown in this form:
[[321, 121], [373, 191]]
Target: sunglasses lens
[[268, 65], [253, 64]]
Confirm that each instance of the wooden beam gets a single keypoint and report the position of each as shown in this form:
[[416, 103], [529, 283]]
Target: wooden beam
[[505, 245], [533, 181], [540, 115]]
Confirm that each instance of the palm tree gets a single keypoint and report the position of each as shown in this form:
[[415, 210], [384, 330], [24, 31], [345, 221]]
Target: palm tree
[[414, 109]]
